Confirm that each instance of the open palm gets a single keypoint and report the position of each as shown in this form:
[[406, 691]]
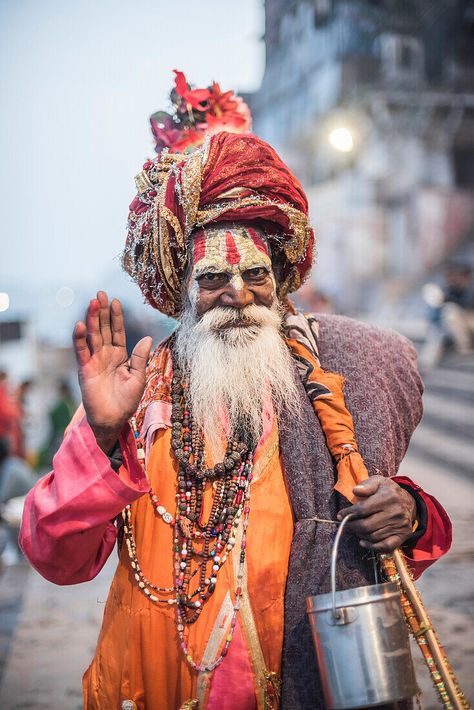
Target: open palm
[[111, 384]]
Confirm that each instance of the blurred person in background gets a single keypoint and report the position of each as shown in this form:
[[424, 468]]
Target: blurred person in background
[[20, 419], [16, 476], [457, 311], [225, 457], [16, 479], [59, 417], [450, 314], [5, 405], [10, 416]]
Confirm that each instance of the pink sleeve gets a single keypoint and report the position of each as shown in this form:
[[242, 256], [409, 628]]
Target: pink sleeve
[[67, 531], [436, 540]]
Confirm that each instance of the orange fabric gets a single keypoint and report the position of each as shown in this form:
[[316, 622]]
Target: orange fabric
[[138, 655], [269, 537], [336, 422]]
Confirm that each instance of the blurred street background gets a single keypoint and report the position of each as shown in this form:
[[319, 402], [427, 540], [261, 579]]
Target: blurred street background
[[371, 104]]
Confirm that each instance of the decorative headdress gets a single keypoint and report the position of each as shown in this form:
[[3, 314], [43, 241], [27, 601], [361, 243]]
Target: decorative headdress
[[231, 177], [197, 113]]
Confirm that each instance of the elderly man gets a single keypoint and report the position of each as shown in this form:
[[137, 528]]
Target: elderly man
[[220, 462]]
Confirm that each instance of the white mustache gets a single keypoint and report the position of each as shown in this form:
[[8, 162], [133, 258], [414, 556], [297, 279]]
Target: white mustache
[[227, 317]]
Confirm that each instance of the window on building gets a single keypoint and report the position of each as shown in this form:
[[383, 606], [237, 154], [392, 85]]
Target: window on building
[[322, 12], [402, 56], [10, 330], [463, 159], [407, 56]]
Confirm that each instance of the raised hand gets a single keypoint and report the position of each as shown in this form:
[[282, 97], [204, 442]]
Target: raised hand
[[111, 385]]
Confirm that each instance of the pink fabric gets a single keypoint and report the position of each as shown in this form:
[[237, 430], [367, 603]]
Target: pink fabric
[[157, 416], [67, 531], [232, 684]]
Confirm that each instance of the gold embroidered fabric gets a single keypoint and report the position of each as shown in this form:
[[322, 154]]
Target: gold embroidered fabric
[[229, 178]]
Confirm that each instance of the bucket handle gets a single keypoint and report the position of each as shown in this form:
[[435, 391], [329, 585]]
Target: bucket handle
[[337, 614]]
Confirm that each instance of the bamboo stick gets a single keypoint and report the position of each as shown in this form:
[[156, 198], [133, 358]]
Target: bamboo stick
[[442, 674]]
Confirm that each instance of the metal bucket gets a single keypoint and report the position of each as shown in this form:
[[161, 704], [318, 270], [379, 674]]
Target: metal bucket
[[361, 643]]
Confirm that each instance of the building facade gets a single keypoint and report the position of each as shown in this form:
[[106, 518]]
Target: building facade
[[371, 103]]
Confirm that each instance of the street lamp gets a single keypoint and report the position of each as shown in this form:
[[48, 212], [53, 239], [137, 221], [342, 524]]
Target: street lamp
[[341, 139], [4, 302]]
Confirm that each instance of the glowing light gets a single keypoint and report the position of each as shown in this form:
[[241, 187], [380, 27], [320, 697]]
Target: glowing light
[[4, 302], [65, 296], [341, 139], [433, 295]]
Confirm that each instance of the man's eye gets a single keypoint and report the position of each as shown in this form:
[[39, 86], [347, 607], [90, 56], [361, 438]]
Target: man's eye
[[211, 278], [258, 273]]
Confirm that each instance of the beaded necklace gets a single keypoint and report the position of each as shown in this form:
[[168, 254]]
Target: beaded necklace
[[201, 547]]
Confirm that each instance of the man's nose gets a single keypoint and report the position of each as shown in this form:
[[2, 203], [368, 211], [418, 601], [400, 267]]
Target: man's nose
[[237, 297]]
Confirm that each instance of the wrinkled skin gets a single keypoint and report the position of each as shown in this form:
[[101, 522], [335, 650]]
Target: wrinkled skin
[[385, 514], [215, 289]]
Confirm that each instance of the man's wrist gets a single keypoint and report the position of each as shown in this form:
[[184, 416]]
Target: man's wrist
[[106, 444], [106, 439], [412, 506], [421, 515]]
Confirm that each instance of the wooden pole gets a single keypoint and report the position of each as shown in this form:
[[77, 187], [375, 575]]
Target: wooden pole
[[442, 674]]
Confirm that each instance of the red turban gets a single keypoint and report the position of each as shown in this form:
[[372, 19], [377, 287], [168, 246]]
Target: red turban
[[231, 178]]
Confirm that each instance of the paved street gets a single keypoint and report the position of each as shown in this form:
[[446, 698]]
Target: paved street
[[47, 633], [441, 458]]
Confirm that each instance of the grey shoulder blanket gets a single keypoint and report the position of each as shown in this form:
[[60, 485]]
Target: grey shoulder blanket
[[383, 393]]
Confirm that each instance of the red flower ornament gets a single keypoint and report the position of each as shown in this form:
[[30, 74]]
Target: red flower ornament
[[197, 113], [193, 98]]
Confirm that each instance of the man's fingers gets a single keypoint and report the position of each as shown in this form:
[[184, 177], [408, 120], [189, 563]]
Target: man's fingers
[[139, 357], [94, 336], [118, 325], [383, 533], [81, 348], [365, 527], [388, 545], [371, 496], [378, 532], [367, 507], [104, 317]]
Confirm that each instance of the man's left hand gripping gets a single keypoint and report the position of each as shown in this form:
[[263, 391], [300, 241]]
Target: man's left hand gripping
[[384, 514]]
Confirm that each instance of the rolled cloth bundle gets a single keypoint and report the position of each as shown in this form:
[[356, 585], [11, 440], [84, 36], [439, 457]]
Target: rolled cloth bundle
[[230, 178]]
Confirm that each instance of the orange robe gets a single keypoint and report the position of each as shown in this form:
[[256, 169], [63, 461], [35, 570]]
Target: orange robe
[[138, 654]]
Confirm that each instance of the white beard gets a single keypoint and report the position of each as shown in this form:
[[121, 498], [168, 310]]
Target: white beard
[[231, 367]]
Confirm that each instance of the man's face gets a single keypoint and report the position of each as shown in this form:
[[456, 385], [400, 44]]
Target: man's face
[[229, 339], [231, 268]]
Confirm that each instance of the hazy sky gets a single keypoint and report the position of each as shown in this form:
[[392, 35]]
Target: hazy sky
[[78, 81]]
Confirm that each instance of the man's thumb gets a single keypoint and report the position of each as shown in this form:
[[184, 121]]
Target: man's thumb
[[139, 356], [367, 487]]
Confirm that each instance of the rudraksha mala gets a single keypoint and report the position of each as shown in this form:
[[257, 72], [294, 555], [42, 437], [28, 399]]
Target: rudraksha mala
[[201, 547]]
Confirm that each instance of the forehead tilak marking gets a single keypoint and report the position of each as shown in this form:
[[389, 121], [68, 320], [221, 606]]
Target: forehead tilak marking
[[237, 247], [258, 240], [232, 254], [241, 249]]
